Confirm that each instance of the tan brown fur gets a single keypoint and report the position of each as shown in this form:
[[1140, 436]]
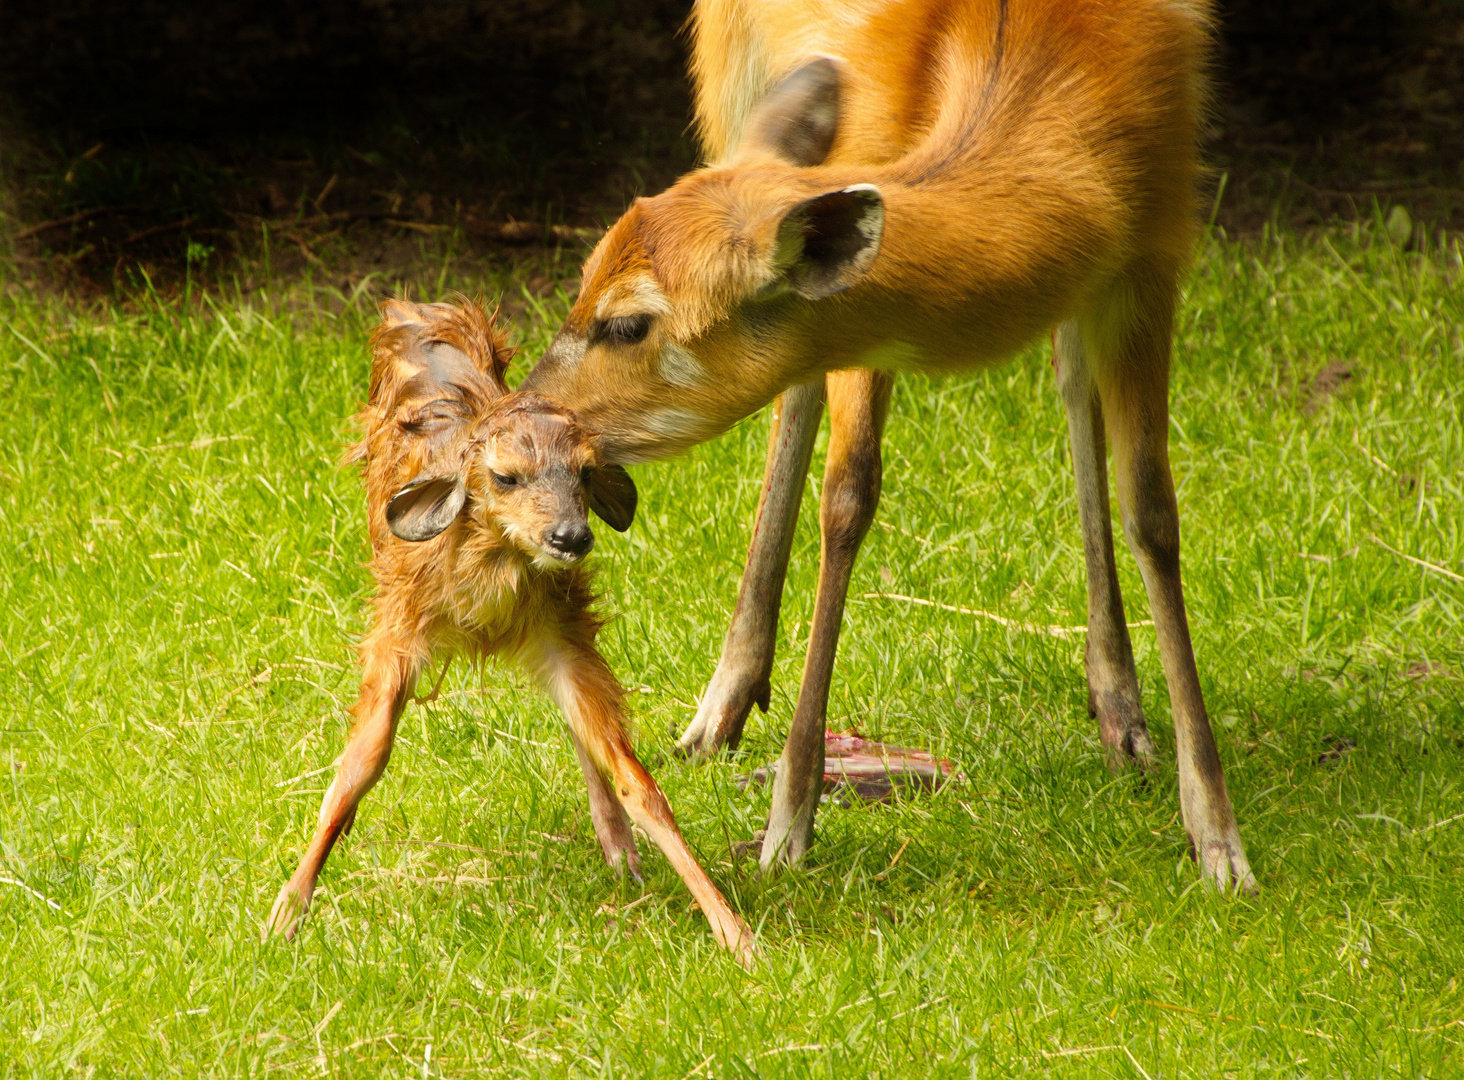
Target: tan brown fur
[[995, 169], [487, 576], [1018, 191]]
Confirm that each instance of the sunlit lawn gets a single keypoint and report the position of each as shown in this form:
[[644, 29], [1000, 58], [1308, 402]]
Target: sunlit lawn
[[182, 571]]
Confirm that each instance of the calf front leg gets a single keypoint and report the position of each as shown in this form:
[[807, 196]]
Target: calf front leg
[[743, 672], [858, 405], [387, 678], [578, 679]]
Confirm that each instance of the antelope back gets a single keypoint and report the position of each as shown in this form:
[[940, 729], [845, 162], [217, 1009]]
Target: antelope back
[[990, 169]]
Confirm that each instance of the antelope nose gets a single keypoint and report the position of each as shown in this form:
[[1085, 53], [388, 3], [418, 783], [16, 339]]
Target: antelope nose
[[572, 538]]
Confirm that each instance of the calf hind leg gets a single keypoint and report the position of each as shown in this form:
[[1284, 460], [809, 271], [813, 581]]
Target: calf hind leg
[[612, 827], [1113, 685], [858, 405], [1132, 375]]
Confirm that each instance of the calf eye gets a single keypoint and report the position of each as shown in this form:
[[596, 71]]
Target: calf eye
[[626, 329], [504, 481]]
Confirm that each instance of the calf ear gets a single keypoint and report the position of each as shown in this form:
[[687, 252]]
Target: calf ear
[[613, 496], [799, 118], [425, 507], [826, 243]]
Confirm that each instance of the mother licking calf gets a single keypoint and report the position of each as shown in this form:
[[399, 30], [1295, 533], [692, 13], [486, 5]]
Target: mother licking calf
[[916, 185], [476, 502]]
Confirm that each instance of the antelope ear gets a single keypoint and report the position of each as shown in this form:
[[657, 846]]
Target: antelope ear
[[826, 243], [425, 507], [799, 118], [613, 496]]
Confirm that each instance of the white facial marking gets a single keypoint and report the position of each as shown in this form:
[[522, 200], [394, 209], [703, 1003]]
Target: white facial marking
[[680, 367], [569, 350], [672, 423], [538, 554], [490, 458], [638, 296]]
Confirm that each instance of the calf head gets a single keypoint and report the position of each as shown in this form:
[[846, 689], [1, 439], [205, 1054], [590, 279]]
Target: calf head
[[451, 445]]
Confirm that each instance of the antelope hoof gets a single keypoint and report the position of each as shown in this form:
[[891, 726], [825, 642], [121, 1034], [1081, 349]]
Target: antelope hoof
[[723, 712], [1125, 735], [1222, 861], [288, 911], [1130, 749], [617, 842], [785, 841]]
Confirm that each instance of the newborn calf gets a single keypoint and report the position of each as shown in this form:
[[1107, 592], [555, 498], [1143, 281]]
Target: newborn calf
[[476, 503]]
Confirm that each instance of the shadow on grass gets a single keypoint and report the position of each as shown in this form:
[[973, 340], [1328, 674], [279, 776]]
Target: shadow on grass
[[351, 141]]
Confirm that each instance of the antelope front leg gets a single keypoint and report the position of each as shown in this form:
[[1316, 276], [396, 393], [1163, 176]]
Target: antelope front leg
[[648, 808], [743, 672], [578, 679], [384, 685], [858, 404]]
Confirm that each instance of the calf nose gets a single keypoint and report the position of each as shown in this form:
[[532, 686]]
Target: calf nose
[[572, 538]]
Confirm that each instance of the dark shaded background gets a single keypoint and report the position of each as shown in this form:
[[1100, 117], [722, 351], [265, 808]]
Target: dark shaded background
[[133, 133]]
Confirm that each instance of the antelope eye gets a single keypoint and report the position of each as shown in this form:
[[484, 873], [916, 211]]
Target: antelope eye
[[626, 329], [505, 481]]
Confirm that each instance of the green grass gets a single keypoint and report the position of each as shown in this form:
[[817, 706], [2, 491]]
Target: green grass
[[182, 566]]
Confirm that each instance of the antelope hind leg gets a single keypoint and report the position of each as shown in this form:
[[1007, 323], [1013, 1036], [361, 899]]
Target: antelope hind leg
[[1113, 685], [612, 827], [1133, 383]]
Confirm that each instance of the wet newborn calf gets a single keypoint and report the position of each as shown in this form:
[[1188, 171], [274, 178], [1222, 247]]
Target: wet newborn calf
[[476, 501]]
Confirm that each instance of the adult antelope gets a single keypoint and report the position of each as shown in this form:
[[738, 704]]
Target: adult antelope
[[919, 185]]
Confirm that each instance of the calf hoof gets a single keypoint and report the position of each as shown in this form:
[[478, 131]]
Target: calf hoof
[[626, 861], [288, 912], [735, 936], [741, 849]]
